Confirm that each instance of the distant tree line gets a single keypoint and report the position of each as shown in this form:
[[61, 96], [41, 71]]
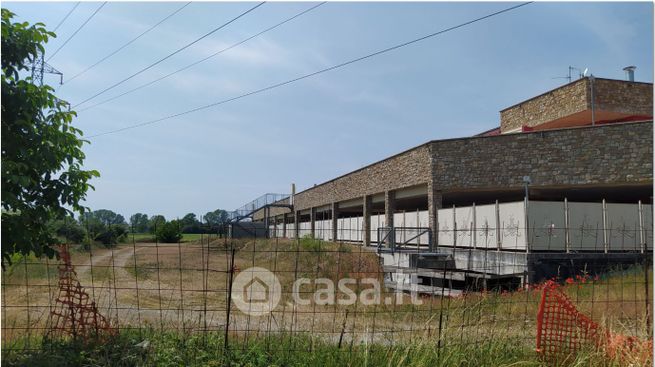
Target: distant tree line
[[107, 227]]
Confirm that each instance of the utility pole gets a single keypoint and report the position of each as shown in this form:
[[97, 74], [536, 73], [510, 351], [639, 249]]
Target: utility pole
[[40, 67]]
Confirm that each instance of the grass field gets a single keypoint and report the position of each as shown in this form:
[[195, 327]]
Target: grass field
[[175, 296], [150, 347], [149, 237]]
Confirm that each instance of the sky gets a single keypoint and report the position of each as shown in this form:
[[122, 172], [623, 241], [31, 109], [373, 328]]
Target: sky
[[308, 132]]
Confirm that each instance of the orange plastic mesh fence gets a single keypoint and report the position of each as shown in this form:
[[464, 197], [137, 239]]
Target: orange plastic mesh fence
[[75, 314], [562, 331]]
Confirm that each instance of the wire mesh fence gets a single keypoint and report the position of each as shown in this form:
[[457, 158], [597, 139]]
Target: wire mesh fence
[[281, 292]]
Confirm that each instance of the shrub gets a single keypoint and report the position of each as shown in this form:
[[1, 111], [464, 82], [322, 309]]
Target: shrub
[[69, 230], [169, 232], [112, 235], [309, 243]]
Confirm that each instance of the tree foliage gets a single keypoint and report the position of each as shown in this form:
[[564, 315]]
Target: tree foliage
[[155, 222], [106, 216], [191, 224], [139, 222], [104, 226], [169, 232], [215, 220], [42, 175], [69, 230]]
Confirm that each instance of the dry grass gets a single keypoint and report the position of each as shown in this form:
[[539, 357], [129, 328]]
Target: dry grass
[[185, 287]]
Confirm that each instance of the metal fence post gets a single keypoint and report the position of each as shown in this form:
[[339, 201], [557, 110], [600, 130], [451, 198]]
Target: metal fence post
[[454, 229], [642, 238], [605, 240], [498, 241], [475, 229], [527, 225], [567, 236], [229, 302]]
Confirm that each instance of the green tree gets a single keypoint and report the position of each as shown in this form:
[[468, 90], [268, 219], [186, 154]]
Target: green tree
[[169, 232], [108, 217], [191, 224], [139, 222], [42, 175], [69, 230], [189, 220], [155, 222], [104, 226], [216, 219]]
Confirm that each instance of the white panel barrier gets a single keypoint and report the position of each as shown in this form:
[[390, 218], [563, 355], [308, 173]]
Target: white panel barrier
[[477, 227], [446, 225], [291, 230], [547, 232], [304, 229], [586, 226], [647, 213], [464, 219], [485, 227], [375, 224], [424, 222], [623, 223], [399, 221], [512, 226]]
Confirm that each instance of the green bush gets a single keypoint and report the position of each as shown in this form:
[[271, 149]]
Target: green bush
[[169, 232], [112, 235], [69, 230], [309, 243]]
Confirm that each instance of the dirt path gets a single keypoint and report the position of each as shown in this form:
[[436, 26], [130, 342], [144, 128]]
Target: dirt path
[[121, 255]]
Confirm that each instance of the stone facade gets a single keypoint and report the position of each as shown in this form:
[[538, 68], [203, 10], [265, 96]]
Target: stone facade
[[406, 169], [557, 103], [603, 155], [614, 154], [625, 97], [631, 98]]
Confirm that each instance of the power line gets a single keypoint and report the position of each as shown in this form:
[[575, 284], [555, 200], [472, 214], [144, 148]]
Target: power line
[[66, 17], [128, 43], [77, 30], [202, 60], [171, 54], [312, 74]]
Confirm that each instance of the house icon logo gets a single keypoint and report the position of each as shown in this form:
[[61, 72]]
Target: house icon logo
[[256, 291]]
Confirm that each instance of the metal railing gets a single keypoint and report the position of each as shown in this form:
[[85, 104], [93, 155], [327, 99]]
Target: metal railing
[[254, 205]]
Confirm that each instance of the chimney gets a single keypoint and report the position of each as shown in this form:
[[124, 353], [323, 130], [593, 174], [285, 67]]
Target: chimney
[[630, 73], [293, 193]]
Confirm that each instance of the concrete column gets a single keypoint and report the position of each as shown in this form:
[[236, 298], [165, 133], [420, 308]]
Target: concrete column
[[266, 213], [284, 225], [366, 225], [312, 221], [296, 222], [435, 202], [389, 210], [335, 216], [274, 226]]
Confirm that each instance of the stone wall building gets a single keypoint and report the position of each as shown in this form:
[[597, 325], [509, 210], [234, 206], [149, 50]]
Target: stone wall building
[[572, 146]]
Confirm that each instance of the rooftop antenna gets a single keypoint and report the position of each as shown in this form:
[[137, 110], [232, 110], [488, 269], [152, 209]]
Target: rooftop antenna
[[569, 76]]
